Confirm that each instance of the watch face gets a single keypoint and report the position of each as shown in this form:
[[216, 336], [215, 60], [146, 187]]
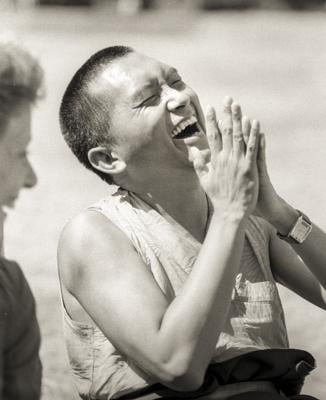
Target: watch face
[[301, 230]]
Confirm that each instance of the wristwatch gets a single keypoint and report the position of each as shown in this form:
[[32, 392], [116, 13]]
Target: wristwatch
[[300, 230]]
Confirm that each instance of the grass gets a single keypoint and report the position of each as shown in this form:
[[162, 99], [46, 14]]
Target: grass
[[272, 63]]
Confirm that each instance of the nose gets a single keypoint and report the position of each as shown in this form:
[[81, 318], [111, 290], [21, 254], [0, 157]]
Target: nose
[[177, 99], [30, 177]]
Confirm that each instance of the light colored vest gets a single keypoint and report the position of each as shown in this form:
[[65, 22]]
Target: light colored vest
[[255, 320]]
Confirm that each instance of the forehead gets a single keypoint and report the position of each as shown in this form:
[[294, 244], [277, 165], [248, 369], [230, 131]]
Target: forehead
[[130, 72]]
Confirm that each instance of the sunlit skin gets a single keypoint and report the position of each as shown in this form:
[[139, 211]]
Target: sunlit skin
[[150, 100], [175, 340]]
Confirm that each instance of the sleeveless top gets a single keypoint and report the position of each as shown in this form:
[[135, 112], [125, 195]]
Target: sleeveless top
[[255, 320]]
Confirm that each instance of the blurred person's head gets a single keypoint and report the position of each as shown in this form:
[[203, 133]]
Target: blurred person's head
[[20, 84], [125, 114]]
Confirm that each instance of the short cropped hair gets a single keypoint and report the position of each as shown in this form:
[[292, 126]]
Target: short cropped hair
[[84, 117], [21, 79]]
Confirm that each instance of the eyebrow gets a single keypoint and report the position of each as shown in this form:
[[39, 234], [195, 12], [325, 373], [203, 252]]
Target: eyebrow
[[137, 95], [172, 71]]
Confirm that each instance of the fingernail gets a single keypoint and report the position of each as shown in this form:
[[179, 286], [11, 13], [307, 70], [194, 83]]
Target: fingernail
[[210, 112], [227, 101], [255, 124], [235, 108]]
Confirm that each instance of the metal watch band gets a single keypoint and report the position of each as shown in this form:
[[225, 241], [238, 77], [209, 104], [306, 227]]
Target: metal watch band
[[299, 231]]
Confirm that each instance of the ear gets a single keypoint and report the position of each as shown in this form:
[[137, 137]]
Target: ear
[[106, 161]]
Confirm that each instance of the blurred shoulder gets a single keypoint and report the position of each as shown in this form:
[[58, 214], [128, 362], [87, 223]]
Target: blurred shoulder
[[10, 272], [14, 288]]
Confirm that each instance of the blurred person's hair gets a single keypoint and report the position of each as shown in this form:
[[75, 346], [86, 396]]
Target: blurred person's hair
[[21, 79], [84, 114]]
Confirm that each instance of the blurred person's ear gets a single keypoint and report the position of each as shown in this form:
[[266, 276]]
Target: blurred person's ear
[[106, 161]]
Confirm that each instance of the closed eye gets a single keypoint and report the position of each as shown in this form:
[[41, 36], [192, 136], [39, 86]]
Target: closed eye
[[148, 100], [176, 82]]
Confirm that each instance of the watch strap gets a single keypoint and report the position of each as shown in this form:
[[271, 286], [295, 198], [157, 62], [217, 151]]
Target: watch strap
[[299, 231]]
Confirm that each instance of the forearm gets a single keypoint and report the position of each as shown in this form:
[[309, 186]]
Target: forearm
[[194, 320], [313, 250], [172, 340]]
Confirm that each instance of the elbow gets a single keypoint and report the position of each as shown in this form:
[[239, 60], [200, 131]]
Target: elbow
[[187, 382], [181, 376]]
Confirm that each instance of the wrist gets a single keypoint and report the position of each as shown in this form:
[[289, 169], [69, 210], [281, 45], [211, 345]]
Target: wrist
[[234, 217], [284, 217]]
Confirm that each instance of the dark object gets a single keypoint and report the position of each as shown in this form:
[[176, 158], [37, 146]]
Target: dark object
[[20, 365], [227, 4], [270, 4], [147, 4], [268, 396], [65, 2], [304, 4], [286, 368]]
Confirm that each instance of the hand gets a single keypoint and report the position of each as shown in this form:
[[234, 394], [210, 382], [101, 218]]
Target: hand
[[269, 203], [228, 172]]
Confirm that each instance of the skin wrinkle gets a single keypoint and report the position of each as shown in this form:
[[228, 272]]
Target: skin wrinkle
[[181, 334]]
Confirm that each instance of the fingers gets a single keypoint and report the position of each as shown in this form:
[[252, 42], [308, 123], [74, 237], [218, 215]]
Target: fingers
[[246, 126], [252, 145], [213, 132], [232, 136], [261, 156], [238, 143], [234, 133], [227, 125]]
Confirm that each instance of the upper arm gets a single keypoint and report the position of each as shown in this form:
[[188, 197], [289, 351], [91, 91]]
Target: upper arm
[[290, 271], [99, 266]]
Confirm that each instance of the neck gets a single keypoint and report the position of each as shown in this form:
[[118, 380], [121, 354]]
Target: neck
[[181, 197]]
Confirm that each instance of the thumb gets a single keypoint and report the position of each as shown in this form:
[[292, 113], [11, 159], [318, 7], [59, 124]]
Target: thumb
[[199, 161]]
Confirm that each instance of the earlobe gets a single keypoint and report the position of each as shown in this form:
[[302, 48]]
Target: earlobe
[[106, 161]]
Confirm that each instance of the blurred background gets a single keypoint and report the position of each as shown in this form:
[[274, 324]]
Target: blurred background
[[269, 55]]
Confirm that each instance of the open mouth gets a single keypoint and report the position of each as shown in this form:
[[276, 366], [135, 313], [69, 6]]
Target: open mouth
[[187, 128]]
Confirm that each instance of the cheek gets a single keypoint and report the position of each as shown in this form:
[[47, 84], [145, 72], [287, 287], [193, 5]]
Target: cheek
[[153, 123], [195, 101], [146, 129]]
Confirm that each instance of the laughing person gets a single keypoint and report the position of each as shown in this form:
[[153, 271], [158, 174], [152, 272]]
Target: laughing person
[[169, 285]]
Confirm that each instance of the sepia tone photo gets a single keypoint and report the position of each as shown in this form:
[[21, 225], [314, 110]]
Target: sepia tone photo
[[163, 232]]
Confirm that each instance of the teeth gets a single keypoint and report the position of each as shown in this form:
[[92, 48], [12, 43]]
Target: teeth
[[183, 125], [178, 129]]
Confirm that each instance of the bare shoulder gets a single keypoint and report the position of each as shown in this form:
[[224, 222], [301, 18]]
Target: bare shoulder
[[87, 238]]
